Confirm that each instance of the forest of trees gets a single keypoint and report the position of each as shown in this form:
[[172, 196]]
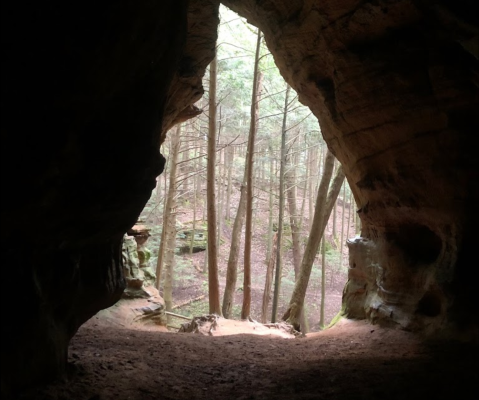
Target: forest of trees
[[253, 173]]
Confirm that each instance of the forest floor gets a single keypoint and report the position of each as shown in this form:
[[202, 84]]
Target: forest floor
[[190, 273], [110, 359]]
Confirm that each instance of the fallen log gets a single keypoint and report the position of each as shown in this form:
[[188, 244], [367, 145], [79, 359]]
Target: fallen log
[[185, 303], [177, 315]]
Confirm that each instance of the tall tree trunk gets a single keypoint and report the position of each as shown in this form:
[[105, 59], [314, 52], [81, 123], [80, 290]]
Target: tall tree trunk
[[230, 158], [169, 224], [195, 197], [270, 212], [349, 213], [268, 281], [261, 167], [304, 191], [323, 283], [205, 263], [161, 252], [162, 246], [290, 182], [185, 155], [220, 202], [279, 258], [324, 205], [232, 268], [335, 233], [223, 187], [199, 163], [342, 223], [257, 82], [213, 283], [203, 150], [354, 218], [193, 226], [313, 177], [204, 209], [320, 161]]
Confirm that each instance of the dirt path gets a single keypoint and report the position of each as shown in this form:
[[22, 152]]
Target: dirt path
[[353, 360]]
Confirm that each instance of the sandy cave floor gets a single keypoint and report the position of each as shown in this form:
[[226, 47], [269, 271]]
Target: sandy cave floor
[[110, 359]]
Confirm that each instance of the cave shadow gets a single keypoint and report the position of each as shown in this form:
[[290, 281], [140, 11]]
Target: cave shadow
[[112, 363]]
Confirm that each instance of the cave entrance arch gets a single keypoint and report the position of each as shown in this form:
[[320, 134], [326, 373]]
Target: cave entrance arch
[[394, 87]]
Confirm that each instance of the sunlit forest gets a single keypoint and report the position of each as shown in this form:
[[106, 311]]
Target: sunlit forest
[[257, 238]]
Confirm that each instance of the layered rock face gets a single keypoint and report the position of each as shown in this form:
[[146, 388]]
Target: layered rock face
[[395, 88], [135, 260], [87, 87]]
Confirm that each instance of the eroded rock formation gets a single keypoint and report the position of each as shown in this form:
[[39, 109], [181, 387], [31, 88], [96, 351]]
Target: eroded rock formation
[[86, 87], [135, 260]]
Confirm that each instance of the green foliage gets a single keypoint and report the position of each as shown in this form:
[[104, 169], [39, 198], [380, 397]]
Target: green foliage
[[153, 211], [328, 248], [204, 286], [333, 257], [287, 281], [316, 272], [287, 243], [337, 317], [236, 311], [194, 309], [184, 269], [240, 280]]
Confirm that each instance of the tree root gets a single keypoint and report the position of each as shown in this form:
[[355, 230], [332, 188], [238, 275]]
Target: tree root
[[198, 322]]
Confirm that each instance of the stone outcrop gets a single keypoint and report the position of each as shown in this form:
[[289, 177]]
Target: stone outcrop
[[386, 288], [135, 260], [184, 236], [86, 87], [141, 253]]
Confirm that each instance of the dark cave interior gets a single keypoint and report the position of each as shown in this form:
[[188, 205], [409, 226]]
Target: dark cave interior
[[88, 86]]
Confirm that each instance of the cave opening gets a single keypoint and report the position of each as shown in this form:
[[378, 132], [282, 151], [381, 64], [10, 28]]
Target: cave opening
[[184, 190], [88, 97]]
